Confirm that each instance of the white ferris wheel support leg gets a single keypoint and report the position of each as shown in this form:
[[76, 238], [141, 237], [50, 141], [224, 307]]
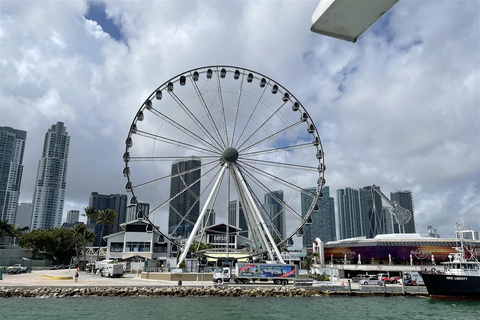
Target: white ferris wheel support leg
[[258, 215], [257, 235], [201, 216]]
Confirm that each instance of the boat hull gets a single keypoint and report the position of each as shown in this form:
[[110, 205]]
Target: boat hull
[[441, 286]]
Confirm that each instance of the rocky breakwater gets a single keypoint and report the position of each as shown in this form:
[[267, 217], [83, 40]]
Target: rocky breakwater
[[7, 292]]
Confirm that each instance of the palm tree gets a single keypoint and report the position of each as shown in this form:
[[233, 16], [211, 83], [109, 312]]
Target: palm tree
[[5, 229], [15, 233], [88, 236], [78, 232], [105, 218], [92, 214]]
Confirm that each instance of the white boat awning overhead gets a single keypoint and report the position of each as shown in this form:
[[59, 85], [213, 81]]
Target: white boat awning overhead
[[348, 19]]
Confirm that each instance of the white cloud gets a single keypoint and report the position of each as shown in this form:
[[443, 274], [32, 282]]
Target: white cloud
[[398, 109], [94, 29]]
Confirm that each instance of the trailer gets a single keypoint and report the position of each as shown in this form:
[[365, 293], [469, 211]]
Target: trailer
[[244, 273]]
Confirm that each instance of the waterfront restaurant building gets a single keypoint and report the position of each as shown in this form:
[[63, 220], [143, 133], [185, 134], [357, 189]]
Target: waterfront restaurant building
[[395, 249], [139, 241]]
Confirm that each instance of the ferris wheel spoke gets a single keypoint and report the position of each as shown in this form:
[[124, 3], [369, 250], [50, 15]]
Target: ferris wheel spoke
[[186, 188], [237, 108], [174, 142], [279, 149], [134, 158], [209, 114], [251, 114], [263, 124], [184, 130], [220, 98], [271, 136], [281, 164], [193, 117], [171, 176], [279, 180], [268, 191]]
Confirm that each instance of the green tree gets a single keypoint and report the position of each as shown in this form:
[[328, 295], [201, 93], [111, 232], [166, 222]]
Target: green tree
[[91, 213], [40, 241], [65, 248], [82, 236], [7, 230], [55, 244], [105, 219], [77, 238]]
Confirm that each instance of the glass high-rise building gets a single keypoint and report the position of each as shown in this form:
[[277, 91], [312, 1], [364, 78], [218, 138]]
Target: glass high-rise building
[[323, 221], [51, 181], [185, 201], [236, 217], [405, 200], [373, 212], [350, 212], [275, 212], [102, 202], [12, 146]]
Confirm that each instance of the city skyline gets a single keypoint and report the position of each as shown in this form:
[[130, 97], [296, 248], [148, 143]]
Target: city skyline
[[396, 108]]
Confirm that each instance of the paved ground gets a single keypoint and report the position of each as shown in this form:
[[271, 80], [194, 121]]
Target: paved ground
[[36, 279]]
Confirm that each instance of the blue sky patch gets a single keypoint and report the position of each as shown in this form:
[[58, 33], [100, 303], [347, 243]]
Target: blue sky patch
[[97, 13]]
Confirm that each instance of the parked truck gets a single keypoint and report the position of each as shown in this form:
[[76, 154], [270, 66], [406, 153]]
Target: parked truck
[[244, 273], [112, 270]]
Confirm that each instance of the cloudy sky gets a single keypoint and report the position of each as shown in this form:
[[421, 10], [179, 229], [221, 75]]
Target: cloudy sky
[[400, 108]]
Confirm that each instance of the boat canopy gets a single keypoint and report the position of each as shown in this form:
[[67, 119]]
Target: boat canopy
[[347, 19]]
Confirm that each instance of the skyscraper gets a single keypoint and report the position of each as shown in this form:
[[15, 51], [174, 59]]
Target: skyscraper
[[12, 146], [405, 200], [185, 202], [275, 211], [323, 221], [102, 202], [236, 217], [24, 215], [373, 212], [51, 182], [72, 216], [351, 218], [209, 218]]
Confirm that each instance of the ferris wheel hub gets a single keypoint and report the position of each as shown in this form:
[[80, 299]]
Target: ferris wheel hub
[[230, 154]]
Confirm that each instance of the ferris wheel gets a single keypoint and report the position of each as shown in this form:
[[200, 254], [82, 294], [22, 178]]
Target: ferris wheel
[[225, 156]]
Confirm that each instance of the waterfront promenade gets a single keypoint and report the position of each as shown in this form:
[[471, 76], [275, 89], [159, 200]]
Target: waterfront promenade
[[61, 283]]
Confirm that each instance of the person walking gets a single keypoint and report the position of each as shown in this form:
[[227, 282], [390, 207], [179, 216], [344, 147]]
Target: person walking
[[76, 276]]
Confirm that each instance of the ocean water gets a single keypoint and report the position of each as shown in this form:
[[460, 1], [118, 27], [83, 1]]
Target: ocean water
[[236, 308]]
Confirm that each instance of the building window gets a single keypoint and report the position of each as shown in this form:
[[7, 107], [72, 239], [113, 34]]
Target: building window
[[137, 247], [160, 248], [116, 247]]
